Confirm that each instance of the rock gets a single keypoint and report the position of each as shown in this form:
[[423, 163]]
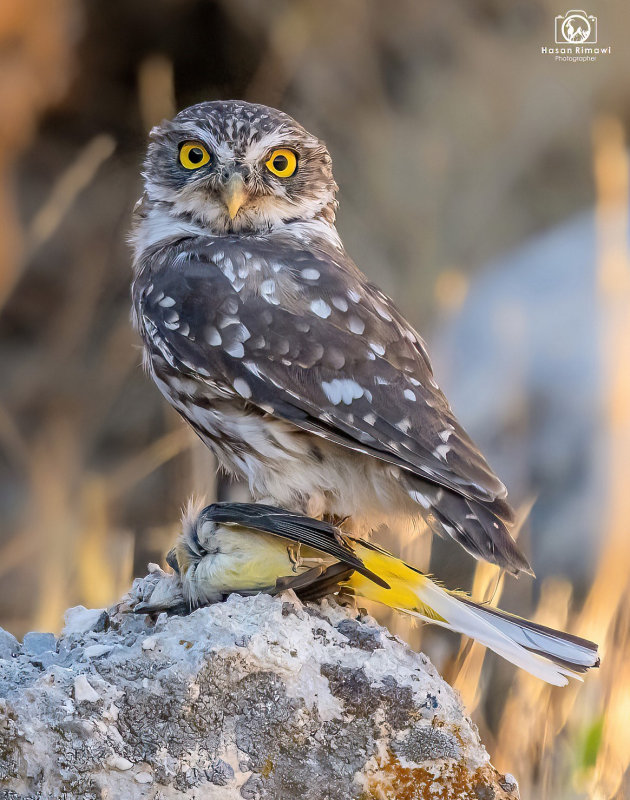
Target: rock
[[81, 620], [258, 697], [83, 691], [37, 643], [9, 645]]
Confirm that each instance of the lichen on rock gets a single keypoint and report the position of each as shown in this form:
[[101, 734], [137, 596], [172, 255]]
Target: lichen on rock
[[257, 697]]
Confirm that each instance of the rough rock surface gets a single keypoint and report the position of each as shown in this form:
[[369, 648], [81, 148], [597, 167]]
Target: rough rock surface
[[256, 697]]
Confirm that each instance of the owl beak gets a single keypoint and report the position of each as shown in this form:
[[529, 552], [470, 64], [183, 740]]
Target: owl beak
[[234, 194]]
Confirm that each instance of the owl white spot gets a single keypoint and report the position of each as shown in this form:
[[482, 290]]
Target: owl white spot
[[321, 308], [167, 302], [444, 435], [242, 334], [310, 274], [341, 303], [242, 388], [158, 296], [268, 292], [382, 313], [368, 395], [353, 295], [441, 451], [378, 348], [173, 326], [228, 320], [381, 381], [370, 356], [236, 349], [149, 289], [213, 337], [410, 395], [414, 381], [370, 419], [269, 409], [342, 390], [496, 525], [184, 329], [355, 325], [420, 498], [404, 425]]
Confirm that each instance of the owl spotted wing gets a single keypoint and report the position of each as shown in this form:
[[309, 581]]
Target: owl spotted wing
[[302, 336]]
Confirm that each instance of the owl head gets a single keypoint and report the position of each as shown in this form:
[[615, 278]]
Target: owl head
[[236, 167]]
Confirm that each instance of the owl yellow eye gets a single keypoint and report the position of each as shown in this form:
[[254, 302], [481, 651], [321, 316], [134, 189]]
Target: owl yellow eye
[[193, 155], [282, 163]]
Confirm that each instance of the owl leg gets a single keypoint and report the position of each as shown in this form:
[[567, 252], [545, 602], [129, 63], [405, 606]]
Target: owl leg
[[294, 551], [337, 522]]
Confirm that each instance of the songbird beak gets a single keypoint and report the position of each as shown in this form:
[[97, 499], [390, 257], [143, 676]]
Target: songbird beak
[[234, 194]]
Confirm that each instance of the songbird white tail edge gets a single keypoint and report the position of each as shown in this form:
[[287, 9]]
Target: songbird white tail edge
[[551, 655]]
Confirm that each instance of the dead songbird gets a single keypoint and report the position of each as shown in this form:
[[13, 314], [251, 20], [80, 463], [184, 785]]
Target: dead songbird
[[248, 548]]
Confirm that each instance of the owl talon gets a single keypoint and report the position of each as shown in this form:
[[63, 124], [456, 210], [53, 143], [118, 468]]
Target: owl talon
[[295, 558]]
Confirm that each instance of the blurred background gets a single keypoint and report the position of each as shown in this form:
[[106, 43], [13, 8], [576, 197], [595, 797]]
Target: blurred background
[[483, 185]]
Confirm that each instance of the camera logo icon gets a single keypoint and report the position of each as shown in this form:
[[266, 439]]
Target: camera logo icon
[[576, 27]]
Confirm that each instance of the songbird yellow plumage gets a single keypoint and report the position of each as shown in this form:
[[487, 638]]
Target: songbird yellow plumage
[[249, 548]]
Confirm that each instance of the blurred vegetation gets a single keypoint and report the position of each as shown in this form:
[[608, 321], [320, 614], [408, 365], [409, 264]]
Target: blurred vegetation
[[453, 140]]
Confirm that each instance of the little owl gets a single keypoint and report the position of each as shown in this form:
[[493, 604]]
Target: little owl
[[298, 373]]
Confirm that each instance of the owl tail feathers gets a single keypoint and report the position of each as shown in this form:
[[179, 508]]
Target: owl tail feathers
[[550, 655], [481, 528]]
